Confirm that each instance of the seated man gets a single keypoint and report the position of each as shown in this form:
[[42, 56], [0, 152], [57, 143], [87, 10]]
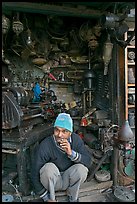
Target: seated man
[[61, 162]]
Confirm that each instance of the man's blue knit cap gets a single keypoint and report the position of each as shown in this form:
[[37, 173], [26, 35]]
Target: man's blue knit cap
[[64, 120]]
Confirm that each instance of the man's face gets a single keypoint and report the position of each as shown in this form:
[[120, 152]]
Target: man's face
[[61, 134]]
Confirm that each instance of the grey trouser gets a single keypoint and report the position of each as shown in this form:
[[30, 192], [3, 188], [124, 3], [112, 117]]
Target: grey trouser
[[69, 180]]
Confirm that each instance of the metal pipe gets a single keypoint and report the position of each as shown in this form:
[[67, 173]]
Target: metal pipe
[[31, 116], [90, 98], [115, 163], [84, 103]]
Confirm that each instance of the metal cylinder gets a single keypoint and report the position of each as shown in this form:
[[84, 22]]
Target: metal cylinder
[[89, 77], [22, 96]]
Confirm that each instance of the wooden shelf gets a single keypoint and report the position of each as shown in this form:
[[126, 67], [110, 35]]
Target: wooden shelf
[[131, 63], [131, 85], [128, 64], [131, 106], [131, 46]]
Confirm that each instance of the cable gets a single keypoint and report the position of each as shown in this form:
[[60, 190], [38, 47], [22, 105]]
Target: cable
[[10, 182]]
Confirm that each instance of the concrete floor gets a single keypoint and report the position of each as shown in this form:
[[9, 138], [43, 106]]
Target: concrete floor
[[91, 191]]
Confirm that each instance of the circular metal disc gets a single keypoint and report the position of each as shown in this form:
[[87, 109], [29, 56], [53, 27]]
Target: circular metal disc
[[124, 194], [102, 175]]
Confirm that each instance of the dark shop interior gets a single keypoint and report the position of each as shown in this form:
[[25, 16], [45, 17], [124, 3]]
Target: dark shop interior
[[76, 58]]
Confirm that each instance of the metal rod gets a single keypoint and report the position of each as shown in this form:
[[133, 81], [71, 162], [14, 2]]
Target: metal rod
[[115, 165], [90, 98], [89, 64], [9, 151], [32, 116]]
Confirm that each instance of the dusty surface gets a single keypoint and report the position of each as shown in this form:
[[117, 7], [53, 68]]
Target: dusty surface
[[91, 191]]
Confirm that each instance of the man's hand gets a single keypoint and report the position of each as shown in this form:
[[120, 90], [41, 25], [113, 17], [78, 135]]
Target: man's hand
[[65, 145]]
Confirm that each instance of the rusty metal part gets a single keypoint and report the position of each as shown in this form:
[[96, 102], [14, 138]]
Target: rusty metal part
[[65, 60], [125, 133], [97, 154], [11, 112], [83, 31], [22, 96], [75, 74], [79, 60], [102, 175], [14, 113], [131, 55], [64, 44], [132, 41], [34, 113], [5, 24], [107, 154], [39, 61]]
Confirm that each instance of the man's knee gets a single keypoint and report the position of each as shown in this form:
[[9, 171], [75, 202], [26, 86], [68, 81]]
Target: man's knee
[[81, 171], [49, 169]]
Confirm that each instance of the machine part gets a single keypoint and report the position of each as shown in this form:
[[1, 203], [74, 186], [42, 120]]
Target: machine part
[[17, 26], [56, 28], [109, 21], [77, 74], [131, 118], [7, 198], [74, 112], [131, 98], [106, 136], [104, 157], [79, 60], [61, 76], [91, 111], [123, 194], [11, 112], [131, 55], [75, 37], [64, 44], [23, 96], [83, 31], [107, 54], [97, 154], [39, 61], [132, 41], [100, 114], [64, 60], [102, 175], [130, 169], [5, 24], [90, 80], [77, 88], [125, 133], [131, 75], [92, 40]]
